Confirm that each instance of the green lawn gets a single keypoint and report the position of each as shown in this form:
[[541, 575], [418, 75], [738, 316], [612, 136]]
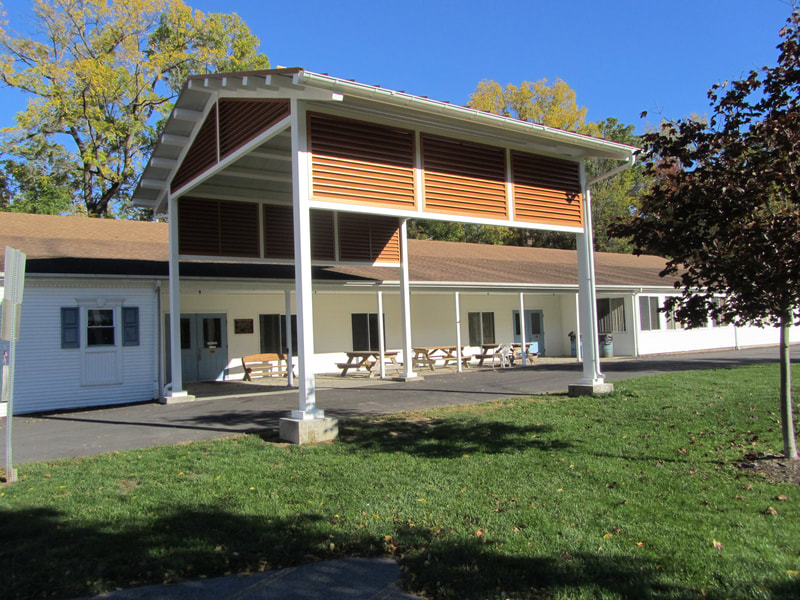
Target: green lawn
[[629, 496]]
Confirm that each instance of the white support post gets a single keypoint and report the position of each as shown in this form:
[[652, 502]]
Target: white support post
[[593, 381], [381, 334], [176, 392], [405, 304], [522, 328], [458, 332], [578, 337], [287, 296], [302, 256]]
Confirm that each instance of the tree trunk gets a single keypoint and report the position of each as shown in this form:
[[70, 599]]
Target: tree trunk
[[787, 418]]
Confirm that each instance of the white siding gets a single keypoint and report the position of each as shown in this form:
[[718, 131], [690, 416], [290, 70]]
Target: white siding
[[49, 377]]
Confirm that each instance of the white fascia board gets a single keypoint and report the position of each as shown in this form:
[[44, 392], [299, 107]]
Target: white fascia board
[[599, 145], [418, 214]]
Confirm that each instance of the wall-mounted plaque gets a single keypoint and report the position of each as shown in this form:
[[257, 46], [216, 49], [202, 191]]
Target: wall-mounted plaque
[[243, 326]]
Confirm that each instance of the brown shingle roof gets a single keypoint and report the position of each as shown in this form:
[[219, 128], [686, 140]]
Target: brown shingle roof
[[48, 237]]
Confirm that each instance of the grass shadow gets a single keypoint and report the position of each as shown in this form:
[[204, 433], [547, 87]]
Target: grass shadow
[[46, 554], [447, 438]]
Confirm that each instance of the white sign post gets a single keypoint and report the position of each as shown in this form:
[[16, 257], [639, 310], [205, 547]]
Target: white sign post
[[13, 284]]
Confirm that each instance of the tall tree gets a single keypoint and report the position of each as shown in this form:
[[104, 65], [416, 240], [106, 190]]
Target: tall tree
[[724, 207], [100, 74], [552, 104], [616, 196]]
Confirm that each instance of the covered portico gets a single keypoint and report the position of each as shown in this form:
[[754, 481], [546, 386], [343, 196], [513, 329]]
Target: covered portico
[[297, 168]]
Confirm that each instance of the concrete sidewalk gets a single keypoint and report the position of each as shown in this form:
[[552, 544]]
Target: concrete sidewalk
[[342, 579]]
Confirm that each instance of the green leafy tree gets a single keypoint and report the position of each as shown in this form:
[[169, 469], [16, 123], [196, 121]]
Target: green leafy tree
[[615, 197], [101, 73], [39, 181], [552, 104], [724, 207]]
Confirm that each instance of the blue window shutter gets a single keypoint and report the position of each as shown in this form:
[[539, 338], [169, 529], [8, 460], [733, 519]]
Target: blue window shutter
[[70, 327], [130, 325]]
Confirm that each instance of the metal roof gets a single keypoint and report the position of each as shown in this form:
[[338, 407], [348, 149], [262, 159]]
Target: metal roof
[[265, 169]]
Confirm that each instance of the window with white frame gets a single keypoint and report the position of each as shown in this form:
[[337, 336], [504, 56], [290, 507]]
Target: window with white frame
[[716, 321], [648, 313], [102, 326], [672, 320], [611, 315], [481, 328]]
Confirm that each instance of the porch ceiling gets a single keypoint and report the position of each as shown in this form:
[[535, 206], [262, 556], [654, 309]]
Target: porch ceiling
[[262, 170]]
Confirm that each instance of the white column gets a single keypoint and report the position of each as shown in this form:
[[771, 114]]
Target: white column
[[578, 339], [458, 332], [287, 296], [381, 336], [302, 265], [522, 328], [176, 366], [587, 293], [405, 303]]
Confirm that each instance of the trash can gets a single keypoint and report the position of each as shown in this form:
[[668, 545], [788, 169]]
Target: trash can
[[573, 350], [606, 345]]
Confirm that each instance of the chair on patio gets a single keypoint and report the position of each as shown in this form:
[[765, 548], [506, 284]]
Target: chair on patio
[[506, 355]]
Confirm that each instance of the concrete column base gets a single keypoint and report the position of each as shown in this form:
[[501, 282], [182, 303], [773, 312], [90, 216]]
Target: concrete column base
[[177, 398], [590, 389], [309, 431], [412, 377]]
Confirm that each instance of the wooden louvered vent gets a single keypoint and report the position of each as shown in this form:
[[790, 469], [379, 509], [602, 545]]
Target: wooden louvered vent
[[362, 163], [369, 238], [217, 228], [546, 190], [201, 155], [279, 233], [242, 120], [463, 178]]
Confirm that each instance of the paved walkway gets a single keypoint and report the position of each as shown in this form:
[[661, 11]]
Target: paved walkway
[[88, 432], [256, 408]]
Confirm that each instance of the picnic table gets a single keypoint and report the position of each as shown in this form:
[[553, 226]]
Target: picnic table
[[428, 355], [493, 351], [368, 359]]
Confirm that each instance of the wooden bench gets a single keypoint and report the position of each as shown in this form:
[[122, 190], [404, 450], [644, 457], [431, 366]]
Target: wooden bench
[[257, 366]]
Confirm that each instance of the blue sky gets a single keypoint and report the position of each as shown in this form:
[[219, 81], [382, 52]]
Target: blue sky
[[622, 57]]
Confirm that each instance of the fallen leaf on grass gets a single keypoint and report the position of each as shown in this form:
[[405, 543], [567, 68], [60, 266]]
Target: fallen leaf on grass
[[771, 511], [781, 498], [608, 535]]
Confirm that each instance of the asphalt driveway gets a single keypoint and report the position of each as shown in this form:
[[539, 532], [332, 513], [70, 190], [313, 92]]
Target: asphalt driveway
[[258, 408]]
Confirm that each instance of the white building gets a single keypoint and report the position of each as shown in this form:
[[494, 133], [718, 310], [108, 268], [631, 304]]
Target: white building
[[94, 318]]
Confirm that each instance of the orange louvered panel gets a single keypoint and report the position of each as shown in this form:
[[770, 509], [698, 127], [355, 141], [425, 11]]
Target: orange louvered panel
[[238, 228], [242, 120], [368, 238], [385, 239], [463, 178], [354, 237], [546, 190], [201, 155], [360, 162], [323, 236], [217, 228], [198, 226], [278, 231]]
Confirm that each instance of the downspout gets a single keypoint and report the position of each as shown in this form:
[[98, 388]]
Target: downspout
[[159, 343]]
